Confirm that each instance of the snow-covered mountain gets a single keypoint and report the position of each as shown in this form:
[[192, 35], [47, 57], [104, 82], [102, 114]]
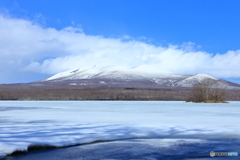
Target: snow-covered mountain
[[124, 77]]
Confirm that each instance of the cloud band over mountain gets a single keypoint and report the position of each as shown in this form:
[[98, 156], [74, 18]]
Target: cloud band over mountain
[[28, 48]]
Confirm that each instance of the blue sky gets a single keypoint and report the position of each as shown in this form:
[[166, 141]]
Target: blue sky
[[43, 37]]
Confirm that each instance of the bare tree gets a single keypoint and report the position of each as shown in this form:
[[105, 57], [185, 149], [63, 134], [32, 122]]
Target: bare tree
[[208, 90]]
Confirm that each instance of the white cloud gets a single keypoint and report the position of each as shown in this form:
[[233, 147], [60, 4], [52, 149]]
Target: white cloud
[[26, 47]]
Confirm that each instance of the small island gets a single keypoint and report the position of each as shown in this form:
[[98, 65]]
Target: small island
[[207, 91]]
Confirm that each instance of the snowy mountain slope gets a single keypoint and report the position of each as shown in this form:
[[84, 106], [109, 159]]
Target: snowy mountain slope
[[124, 77], [187, 82], [113, 73]]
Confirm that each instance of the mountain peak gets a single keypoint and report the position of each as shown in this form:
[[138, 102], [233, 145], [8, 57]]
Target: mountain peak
[[203, 76], [120, 72]]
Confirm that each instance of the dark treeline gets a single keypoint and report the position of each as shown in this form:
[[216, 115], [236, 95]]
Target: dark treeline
[[181, 94], [95, 94]]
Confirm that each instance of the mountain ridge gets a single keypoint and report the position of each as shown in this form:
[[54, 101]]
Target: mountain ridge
[[117, 77]]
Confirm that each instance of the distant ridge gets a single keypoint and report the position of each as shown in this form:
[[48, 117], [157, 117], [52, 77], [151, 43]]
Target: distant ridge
[[123, 77]]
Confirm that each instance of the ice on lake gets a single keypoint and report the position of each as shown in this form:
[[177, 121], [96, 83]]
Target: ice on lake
[[64, 123]]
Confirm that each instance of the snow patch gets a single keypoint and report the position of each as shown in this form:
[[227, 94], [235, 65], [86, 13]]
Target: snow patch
[[102, 82]]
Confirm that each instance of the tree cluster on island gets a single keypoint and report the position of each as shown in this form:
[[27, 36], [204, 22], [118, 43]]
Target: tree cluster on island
[[207, 91]]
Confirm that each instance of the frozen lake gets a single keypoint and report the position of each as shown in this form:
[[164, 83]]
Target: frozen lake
[[161, 124]]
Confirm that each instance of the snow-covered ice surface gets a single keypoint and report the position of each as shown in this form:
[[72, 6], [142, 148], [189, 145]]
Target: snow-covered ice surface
[[65, 123]]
